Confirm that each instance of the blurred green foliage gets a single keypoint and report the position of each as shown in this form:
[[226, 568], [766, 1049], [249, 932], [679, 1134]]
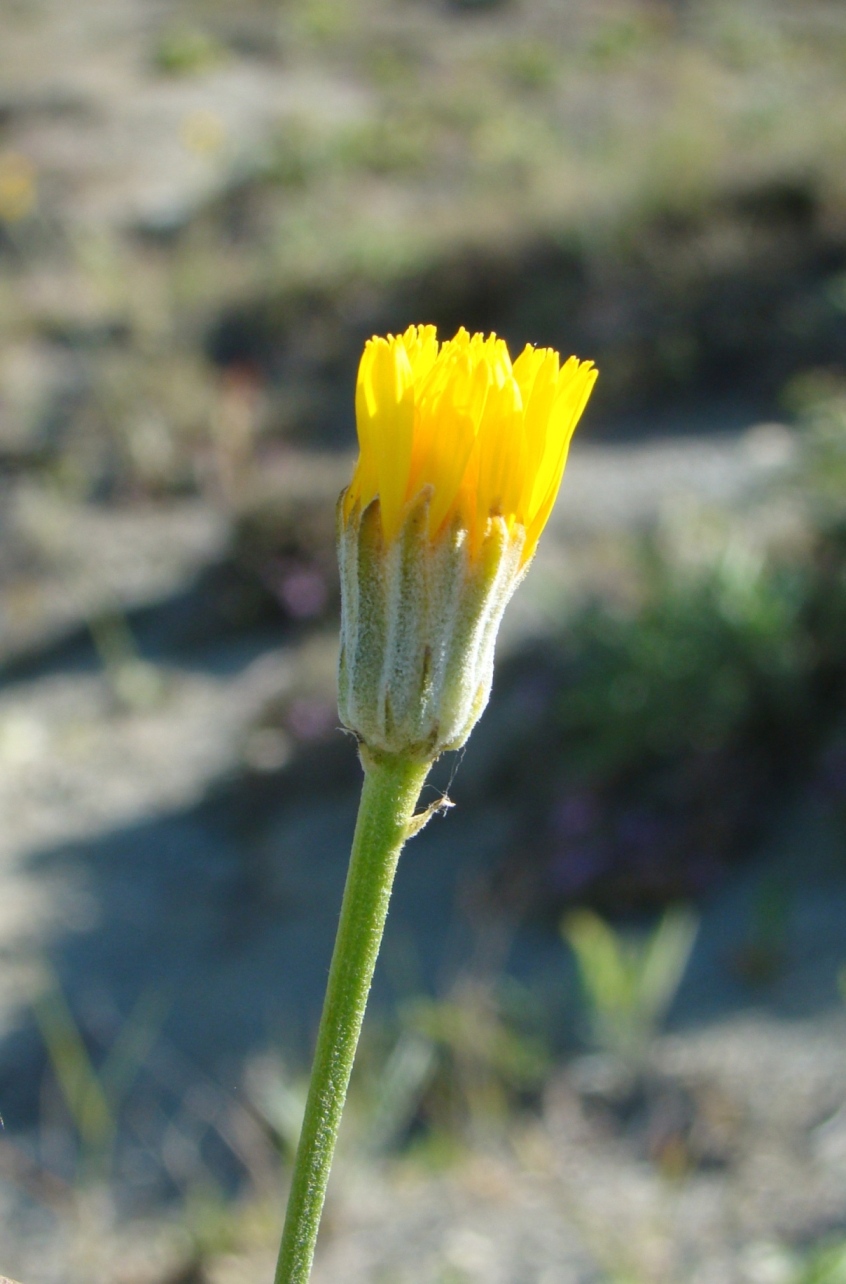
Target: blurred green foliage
[[687, 671], [629, 981], [826, 1265], [451, 1072], [484, 1060], [817, 399], [761, 956], [184, 49], [94, 1093]]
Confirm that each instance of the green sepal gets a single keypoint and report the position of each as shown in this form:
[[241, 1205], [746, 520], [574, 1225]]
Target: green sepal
[[419, 619]]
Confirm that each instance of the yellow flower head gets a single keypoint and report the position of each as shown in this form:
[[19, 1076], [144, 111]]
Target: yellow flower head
[[18, 193], [490, 438]]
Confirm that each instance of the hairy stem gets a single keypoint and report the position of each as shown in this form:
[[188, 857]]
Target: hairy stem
[[389, 796]]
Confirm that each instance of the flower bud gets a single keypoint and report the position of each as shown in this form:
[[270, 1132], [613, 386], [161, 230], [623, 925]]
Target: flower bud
[[460, 462], [419, 623]]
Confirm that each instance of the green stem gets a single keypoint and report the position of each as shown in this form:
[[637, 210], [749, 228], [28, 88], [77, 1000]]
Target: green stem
[[389, 796]]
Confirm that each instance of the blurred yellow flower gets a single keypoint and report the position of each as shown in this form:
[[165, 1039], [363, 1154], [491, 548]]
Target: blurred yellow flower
[[488, 436], [17, 187], [203, 133]]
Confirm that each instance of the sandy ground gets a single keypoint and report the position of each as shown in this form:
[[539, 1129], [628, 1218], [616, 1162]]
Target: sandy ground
[[119, 866]]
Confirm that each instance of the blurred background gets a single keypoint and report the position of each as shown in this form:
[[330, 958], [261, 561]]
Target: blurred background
[[607, 1041]]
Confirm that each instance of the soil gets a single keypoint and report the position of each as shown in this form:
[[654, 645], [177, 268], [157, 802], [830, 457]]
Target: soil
[[178, 825], [212, 220]]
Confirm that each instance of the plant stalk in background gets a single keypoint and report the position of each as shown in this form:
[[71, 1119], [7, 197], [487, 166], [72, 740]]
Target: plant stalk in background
[[461, 457]]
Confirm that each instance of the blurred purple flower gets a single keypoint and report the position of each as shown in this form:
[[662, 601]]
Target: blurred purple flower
[[300, 588], [575, 816], [310, 720], [831, 778], [574, 867], [534, 693], [639, 832], [643, 841], [702, 872]]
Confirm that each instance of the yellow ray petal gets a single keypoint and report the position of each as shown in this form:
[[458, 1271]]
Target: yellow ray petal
[[489, 438]]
